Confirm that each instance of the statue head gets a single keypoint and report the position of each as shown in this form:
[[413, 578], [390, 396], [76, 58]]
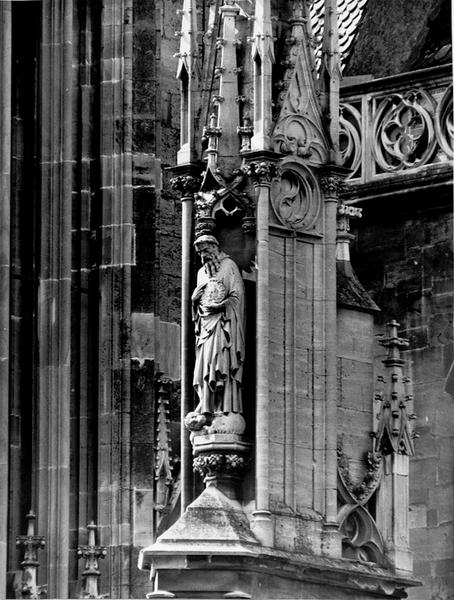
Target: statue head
[[207, 247]]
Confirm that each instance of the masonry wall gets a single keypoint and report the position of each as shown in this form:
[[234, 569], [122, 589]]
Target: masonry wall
[[397, 36], [403, 256]]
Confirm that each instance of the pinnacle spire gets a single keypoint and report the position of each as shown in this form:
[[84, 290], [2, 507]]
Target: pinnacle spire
[[393, 434]]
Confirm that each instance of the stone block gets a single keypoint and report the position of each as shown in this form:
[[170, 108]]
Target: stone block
[[417, 516]]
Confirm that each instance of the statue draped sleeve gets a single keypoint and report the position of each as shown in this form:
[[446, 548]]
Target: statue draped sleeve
[[219, 339]]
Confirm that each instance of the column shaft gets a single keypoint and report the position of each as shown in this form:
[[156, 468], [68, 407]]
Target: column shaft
[[51, 493], [5, 268], [263, 524], [116, 237], [186, 374]]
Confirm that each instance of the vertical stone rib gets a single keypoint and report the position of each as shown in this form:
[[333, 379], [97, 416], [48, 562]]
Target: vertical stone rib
[[330, 360], [5, 166], [54, 309], [116, 238], [187, 204], [262, 525]]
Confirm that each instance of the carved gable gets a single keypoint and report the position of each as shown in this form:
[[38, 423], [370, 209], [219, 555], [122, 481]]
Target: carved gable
[[299, 128]]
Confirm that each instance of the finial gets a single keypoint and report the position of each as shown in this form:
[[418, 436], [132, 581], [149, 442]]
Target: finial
[[393, 433], [92, 553], [29, 566]]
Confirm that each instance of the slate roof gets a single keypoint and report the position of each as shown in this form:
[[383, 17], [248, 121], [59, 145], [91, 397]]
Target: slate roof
[[350, 13]]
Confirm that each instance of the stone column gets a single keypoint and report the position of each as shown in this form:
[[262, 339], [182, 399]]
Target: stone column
[[262, 172], [187, 184], [331, 182], [116, 239], [51, 491], [5, 173]]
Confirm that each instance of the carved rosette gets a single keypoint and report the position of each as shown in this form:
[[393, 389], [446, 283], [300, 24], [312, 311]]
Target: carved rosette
[[186, 185], [296, 197]]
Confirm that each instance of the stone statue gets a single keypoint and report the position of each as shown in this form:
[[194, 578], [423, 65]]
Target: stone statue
[[218, 314]]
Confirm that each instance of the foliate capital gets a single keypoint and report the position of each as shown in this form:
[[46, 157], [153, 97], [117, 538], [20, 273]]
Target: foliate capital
[[261, 172], [187, 185], [332, 185]]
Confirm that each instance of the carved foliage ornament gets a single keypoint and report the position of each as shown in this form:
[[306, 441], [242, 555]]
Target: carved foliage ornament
[[261, 173], [361, 538], [403, 131], [332, 185], [295, 197], [185, 184], [228, 202], [218, 462]]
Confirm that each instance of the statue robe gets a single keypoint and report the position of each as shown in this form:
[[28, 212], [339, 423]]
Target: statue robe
[[219, 338]]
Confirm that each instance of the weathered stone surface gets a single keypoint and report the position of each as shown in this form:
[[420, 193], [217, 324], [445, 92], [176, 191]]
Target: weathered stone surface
[[395, 259]]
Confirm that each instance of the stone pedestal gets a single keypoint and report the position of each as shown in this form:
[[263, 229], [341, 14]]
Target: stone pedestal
[[211, 552]]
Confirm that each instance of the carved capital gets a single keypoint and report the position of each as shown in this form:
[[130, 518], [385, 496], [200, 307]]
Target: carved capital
[[261, 172], [187, 185], [332, 185]]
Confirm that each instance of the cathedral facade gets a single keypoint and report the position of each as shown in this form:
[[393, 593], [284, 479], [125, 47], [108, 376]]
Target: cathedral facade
[[226, 310]]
